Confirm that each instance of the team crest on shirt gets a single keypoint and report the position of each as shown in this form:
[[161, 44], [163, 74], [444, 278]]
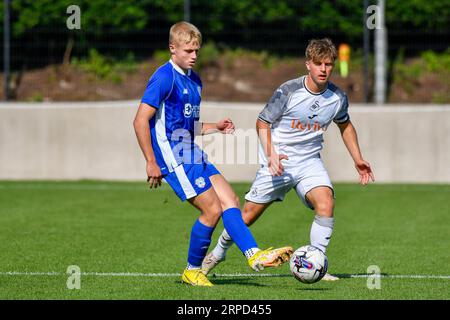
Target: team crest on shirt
[[200, 182], [315, 106]]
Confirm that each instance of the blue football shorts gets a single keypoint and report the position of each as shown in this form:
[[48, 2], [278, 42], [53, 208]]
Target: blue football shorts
[[190, 180]]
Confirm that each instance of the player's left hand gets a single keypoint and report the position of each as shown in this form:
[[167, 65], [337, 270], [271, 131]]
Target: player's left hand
[[365, 172], [225, 126]]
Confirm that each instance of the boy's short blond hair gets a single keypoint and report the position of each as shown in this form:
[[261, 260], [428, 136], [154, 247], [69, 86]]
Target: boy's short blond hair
[[321, 49], [184, 32]]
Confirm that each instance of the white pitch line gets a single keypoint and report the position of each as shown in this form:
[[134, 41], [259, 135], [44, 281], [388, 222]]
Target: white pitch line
[[38, 186], [399, 276], [99, 187], [224, 275]]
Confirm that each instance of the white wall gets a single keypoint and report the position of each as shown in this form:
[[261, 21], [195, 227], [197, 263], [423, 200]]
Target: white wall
[[97, 141]]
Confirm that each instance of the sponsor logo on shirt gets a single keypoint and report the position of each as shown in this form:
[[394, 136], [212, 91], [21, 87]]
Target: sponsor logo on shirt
[[190, 110], [297, 124]]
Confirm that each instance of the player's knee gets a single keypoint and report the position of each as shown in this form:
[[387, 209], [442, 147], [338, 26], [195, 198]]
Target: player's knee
[[236, 201], [250, 214], [231, 201], [213, 214], [325, 207], [247, 216]]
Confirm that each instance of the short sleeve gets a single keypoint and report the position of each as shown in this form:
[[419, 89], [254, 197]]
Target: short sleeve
[[274, 109], [342, 116], [158, 88]]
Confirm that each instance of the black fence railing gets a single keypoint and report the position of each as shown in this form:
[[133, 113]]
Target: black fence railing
[[46, 46]]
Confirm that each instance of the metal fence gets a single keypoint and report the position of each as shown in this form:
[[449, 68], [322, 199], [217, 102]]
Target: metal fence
[[47, 45]]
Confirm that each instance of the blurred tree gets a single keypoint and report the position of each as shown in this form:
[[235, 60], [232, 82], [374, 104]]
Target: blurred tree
[[342, 15], [95, 15], [119, 23], [48, 18], [432, 15]]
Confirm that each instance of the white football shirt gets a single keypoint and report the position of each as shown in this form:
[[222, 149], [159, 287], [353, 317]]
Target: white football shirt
[[299, 117]]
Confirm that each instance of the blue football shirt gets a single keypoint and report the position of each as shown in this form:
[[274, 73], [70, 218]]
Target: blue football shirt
[[176, 95]]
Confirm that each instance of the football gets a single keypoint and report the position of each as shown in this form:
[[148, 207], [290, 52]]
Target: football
[[308, 264]]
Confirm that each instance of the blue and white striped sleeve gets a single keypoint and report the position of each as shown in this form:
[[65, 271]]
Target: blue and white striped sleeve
[[342, 116], [274, 109]]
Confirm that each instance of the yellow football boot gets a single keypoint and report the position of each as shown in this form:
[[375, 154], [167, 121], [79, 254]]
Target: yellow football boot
[[195, 277], [270, 258]]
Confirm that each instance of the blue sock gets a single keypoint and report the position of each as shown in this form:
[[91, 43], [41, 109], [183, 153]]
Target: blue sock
[[238, 230], [199, 243]]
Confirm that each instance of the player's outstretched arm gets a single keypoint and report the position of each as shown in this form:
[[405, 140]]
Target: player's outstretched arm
[[225, 126], [142, 130], [350, 137]]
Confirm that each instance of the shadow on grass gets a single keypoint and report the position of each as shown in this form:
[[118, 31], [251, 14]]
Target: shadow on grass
[[313, 289], [253, 281], [227, 281], [256, 276], [239, 281]]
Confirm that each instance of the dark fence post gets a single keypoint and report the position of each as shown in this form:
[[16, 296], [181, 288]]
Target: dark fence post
[[366, 53], [187, 10], [6, 49]]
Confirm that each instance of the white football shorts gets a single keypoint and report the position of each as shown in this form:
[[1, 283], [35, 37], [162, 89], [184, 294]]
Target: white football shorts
[[307, 175]]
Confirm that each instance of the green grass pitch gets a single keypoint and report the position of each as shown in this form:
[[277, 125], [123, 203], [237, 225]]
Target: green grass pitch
[[131, 243]]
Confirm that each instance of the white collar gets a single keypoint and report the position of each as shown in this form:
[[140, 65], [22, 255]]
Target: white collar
[[311, 92], [176, 67]]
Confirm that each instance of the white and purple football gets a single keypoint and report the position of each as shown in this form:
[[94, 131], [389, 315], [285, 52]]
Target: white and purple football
[[308, 264]]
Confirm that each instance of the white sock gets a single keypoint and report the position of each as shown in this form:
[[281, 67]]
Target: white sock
[[191, 267], [251, 252], [321, 230], [223, 244]]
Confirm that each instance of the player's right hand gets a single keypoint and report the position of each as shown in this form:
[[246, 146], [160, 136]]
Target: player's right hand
[[365, 172], [275, 166], [154, 175]]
